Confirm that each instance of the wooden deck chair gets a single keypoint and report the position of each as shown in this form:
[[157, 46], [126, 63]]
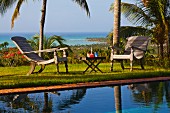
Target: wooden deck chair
[[135, 48], [35, 59]]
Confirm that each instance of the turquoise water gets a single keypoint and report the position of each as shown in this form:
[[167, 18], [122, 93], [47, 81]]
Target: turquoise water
[[71, 38], [135, 98]]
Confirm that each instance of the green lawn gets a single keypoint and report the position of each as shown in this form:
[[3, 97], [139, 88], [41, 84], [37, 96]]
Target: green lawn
[[13, 77]]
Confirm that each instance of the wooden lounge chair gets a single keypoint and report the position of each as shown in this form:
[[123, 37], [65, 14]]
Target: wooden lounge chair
[[35, 59], [135, 48]]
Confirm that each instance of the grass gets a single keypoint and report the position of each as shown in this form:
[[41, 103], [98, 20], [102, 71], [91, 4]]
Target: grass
[[14, 77]]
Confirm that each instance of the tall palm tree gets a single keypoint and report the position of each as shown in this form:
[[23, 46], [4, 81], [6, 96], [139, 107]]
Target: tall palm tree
[[42, 23], [82, 3], [117, 17], [118, 100], [153, 15], [116, 26]]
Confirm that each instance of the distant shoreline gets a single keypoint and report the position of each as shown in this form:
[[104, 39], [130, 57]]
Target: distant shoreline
[[99, 39], [76, 38]]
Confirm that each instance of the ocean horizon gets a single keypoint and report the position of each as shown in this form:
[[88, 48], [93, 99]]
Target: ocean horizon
[[72, 38]]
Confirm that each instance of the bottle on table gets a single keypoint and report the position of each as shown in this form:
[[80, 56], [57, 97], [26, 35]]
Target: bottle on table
[[95, 54]]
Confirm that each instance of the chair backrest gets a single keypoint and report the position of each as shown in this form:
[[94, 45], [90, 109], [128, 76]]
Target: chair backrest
[[24, 46], [139, 42]]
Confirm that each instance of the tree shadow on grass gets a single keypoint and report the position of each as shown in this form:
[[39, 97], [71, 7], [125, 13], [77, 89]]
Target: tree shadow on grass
[[9, 75]]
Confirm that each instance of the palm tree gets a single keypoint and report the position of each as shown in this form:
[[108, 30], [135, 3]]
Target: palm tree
[[4, 5], [116, 30], [49, 42], [117, 17], [82, 3], [42, 23], [6, 44], [118, 100], [153, 15]]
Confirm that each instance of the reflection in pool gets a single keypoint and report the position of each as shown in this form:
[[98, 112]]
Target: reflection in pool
[[134, 98]]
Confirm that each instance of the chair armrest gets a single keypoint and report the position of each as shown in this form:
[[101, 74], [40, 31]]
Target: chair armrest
[[46, 50], [64, 48], [133, 47], [115, 47]]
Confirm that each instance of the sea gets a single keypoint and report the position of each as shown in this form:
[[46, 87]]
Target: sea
[[72, 38]]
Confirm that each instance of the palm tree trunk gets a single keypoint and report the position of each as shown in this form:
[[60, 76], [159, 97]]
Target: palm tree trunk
[[45, 109], [117, 95], [117, 17], [161, 51], [116, 30], [168, 45], [42, 23]]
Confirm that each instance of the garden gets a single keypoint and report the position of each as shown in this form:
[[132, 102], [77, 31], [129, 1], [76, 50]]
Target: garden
[[14, 67]]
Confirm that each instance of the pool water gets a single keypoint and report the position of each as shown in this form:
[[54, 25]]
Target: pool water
[[133, 98]]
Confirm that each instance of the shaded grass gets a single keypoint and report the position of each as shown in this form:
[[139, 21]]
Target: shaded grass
[[14, 77]]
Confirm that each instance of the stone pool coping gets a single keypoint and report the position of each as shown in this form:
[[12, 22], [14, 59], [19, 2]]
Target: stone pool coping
[[80, 85]]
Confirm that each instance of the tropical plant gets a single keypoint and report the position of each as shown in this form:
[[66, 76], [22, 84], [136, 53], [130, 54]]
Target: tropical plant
[[49, 42], [116, 30], [152, 15], [5, 5], [4, 45], [82, 3], [116, 40], [12, 57]]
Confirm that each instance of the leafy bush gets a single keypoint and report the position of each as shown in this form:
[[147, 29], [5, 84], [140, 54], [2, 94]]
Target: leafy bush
[[12, 57]]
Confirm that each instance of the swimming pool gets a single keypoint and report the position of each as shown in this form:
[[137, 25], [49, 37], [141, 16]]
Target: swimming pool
[[133, 98]]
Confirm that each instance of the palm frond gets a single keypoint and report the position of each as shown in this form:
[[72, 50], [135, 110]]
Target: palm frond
[[54, 38], [16, 11], [126, 31], [84, 5], [134, 14], [6, 4], [161, 9]]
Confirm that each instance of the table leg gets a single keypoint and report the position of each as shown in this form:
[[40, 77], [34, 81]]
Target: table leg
[[89, 65], [92, 64], [95, 66]]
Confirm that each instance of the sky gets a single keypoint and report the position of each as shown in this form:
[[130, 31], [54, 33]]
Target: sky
[[62, 16]]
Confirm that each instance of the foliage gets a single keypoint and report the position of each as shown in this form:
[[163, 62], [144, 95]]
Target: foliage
[[81, 51], [152, 60], [4, 45], [5, 5], [49, 42], [12, 57], [153, 16]]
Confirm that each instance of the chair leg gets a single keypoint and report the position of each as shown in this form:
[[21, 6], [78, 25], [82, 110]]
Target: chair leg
[[111, 68], [122, 66], [131, 65], [66, 66], [57, 67], [42, 68], [141, 63], [32, 64]]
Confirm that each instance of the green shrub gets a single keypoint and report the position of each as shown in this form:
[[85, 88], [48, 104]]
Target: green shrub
[[12, 57]]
